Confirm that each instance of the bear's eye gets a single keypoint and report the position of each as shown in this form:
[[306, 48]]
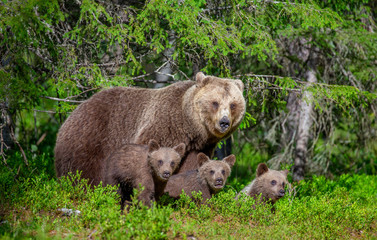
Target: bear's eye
[[283, 185], [172, 164], [273, 182], [212, 172], [215, 104], [223, 172], [232, 106], [160, 162]]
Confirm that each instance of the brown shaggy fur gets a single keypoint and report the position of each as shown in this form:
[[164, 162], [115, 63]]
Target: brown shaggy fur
[[141, 165], [209, 179], [268, 186], [189, 112]]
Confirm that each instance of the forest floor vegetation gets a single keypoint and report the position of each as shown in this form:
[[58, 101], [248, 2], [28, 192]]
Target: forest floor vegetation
[[319, 208]]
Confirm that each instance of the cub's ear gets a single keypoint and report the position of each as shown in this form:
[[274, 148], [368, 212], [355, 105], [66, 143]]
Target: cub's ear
[[202, 158], [285, 172], [201, 79], [180, 149], [239, 84], [262, 169], [153, 145], [231, 159]]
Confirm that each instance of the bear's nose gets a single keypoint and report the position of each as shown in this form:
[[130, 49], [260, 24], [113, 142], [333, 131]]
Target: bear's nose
[[224, 123], [166, 174], [219, 181], [281, 193]]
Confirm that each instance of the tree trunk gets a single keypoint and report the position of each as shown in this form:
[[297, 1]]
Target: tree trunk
[[290, 123], [296, 125], [164, 72], [5, 127], [303, 135]]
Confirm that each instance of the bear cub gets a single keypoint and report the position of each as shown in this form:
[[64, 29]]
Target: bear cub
[[209, 179], [268, 186], [148, 166]]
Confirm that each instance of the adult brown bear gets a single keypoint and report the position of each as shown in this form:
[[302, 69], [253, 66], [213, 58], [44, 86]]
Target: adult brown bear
[[197, 113]]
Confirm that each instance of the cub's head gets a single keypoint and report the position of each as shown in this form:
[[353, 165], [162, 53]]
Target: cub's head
[[163, 160], [219, 103], [270, 183], [215, 172]]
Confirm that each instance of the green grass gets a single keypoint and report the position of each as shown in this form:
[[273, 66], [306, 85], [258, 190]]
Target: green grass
[[343, 208]]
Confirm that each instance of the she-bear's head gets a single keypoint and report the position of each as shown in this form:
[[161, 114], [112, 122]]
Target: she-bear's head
[[219, 103]]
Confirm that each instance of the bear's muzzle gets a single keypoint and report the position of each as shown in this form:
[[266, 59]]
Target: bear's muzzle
[[224, 123]]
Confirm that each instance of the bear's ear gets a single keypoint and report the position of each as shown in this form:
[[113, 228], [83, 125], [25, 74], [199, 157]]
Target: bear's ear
[[285, 172], [201, 79], [180, 149], [231, 159], [153, 145], [239, 84], [262, 169], [199, 76], [202, 158]]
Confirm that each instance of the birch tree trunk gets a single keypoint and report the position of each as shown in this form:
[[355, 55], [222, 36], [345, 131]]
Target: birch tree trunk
[[164, 73], [304, 126]]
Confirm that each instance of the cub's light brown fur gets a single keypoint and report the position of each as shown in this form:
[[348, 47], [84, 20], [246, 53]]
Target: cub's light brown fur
[[268, 186], [197, 113], [141, 165], [209, 179]]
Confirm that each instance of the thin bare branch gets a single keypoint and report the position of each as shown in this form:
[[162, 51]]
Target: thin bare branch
[[153, 81], [62, 100], [88, 90], [44, 111]]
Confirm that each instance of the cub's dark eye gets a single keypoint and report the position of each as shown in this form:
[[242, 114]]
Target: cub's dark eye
[[232, 106], [212, 172], [160, 162], [223, 172], [283, 185], [273, 182], [172, 164], [215, 105]]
